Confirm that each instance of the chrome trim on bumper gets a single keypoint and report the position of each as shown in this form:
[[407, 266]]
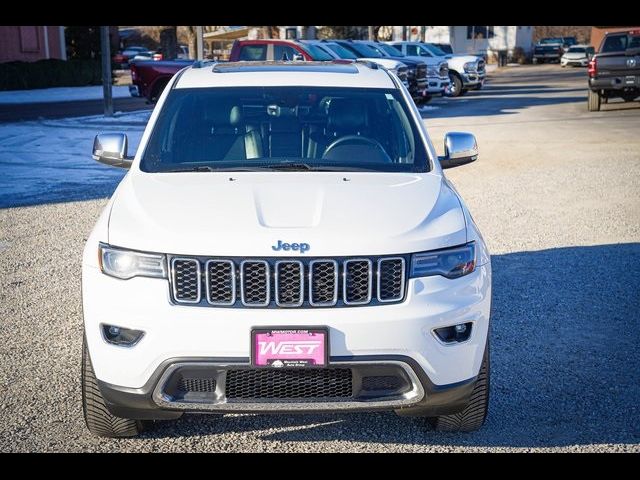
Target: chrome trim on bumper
[[413, 396]]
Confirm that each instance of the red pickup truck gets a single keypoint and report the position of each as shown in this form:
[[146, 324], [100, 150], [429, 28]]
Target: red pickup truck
[[150, 77]]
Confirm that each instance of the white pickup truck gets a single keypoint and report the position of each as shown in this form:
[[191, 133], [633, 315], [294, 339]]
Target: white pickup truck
[[285, 240], [467, 72]]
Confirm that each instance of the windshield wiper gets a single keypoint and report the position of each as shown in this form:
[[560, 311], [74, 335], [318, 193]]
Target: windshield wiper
[[206, 168]]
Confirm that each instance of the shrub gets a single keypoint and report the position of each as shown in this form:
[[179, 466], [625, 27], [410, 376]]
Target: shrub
[[50, 73]]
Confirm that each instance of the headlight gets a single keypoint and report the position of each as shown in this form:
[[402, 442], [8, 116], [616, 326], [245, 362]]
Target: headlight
[[450, 263], [470, 66], [125, 264]]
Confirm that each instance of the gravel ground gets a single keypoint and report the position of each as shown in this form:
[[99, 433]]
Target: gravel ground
[[555, 193]]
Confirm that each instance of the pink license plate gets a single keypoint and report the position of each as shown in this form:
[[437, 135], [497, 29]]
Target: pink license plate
[[289, 347]]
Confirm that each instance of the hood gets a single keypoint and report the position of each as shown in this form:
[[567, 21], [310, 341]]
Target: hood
[[428, 60], [463, 58], [385, 62], [204, 213]]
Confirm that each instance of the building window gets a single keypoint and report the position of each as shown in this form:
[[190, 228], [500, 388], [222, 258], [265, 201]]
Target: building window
[[291, 33], [476, 32]]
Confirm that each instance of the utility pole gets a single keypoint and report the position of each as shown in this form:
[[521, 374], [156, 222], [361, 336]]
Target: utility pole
[[105, 47], [199, 43], [371, 33]]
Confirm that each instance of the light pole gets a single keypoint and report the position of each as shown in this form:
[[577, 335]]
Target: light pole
[[106, 71]]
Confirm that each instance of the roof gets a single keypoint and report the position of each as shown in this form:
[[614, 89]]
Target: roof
[[283, 73]]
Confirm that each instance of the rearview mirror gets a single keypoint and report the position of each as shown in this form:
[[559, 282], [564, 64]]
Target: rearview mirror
[[459, 148], [111, 149], [297, 57]]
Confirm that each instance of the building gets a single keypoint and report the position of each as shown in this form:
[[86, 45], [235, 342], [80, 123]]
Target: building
[[598, 33], [487, 40], [31, 43]]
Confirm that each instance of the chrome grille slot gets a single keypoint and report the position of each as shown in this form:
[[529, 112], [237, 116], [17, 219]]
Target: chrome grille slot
[[221, 282], [390, 279], [289, 283], [323, 283], [185, 273], [255, 284], [357, 282]]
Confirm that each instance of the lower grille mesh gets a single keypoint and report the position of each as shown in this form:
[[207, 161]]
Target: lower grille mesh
[[326, 383], [200, 385]]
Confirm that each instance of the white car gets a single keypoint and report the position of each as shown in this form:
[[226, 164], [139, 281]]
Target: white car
[[577, 55], [466, 72], [285, 240]]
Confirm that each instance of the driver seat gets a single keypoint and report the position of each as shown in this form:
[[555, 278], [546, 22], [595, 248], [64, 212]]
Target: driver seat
[[345, 116]]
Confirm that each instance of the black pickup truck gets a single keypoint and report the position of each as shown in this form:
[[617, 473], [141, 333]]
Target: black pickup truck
[[615, 70]]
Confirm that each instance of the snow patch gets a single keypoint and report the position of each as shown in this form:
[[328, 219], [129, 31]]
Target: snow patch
[[50, 161], [60, 94]]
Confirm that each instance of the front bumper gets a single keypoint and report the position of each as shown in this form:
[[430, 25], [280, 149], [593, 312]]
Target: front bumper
[[583, 62], [150, 402], [472, 79], [418, 88], [178, 333], [437, 85]]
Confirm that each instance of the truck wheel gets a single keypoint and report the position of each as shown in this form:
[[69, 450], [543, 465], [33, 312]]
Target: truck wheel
[[464, 91], [475, 413], [456, 85], [594, 101], [96, 416], [158, 88]]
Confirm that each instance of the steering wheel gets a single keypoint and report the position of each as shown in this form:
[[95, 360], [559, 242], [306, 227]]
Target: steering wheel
[[347, 138]]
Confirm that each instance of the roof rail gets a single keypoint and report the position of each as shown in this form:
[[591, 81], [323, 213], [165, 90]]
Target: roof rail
[[202, 63]]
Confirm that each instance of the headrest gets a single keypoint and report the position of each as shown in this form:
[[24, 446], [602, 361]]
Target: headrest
[[347, 114], [222, 115]]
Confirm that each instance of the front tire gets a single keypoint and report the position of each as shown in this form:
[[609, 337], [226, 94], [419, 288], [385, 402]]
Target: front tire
[[97, 417], [594, 101], [456, 86], [475, 413]]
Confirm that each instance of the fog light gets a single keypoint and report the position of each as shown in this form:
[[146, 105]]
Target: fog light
[[455, 333], [123, 337], [460, 328]]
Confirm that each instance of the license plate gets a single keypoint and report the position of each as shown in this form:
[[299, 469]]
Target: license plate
[[630, 80], [290, 347]]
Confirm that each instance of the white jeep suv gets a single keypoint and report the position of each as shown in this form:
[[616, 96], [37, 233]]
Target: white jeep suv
[[285, 241]]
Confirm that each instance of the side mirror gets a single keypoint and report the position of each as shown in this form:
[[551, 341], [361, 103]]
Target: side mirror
[[459, 148], [111, 149]]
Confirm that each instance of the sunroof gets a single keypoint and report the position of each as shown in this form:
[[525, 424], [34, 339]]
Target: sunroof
[[327, 67]]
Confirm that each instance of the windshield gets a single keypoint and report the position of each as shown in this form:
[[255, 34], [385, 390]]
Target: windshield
[[577, 50], [341, 51], [550, 40], [435, 50], [363, 50], [391, 51], [285, 128], [317, 53]]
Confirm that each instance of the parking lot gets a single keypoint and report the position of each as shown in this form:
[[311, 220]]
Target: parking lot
[[555, 193]]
